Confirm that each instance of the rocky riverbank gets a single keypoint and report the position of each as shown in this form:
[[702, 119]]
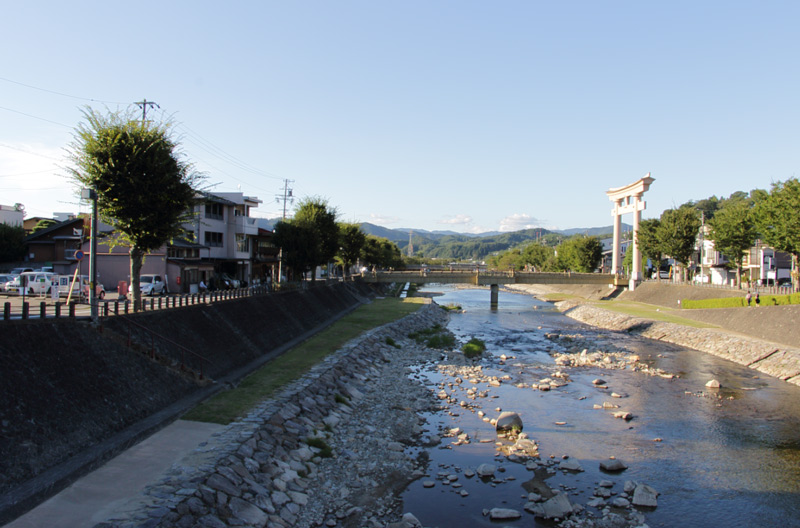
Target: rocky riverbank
[[774, 358], [329, 450]]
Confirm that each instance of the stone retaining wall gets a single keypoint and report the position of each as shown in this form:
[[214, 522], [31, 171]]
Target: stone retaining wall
[[776, 360], [257, 470]]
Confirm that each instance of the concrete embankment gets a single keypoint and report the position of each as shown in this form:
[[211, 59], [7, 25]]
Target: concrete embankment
[[72, 394]]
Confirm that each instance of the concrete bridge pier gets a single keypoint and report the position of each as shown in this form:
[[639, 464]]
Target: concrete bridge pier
[[495, 290]]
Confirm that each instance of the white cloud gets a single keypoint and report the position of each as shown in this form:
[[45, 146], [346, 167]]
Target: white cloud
[[382, 220], [456, 220], [517, 222]]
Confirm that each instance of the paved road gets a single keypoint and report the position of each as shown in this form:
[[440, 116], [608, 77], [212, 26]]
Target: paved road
[[115, 488]]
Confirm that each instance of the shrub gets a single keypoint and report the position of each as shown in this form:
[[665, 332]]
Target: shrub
[[452, 307], [473, 348], [325, 450], [391, 342], [441, 341]]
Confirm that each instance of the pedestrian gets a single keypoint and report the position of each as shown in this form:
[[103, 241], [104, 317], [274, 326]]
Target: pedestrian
[[748, 297], [758, 300]]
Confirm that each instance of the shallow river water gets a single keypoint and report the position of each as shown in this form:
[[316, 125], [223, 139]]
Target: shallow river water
[[725, 458]]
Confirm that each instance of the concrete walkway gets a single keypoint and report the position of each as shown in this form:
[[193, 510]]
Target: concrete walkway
[[115, 488]]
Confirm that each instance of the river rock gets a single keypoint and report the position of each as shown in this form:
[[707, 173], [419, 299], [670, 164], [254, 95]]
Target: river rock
[[644, 495], [486, 470], [623, 415], [554, 507], [508, 421], [501, 514], [713, 384], [613, 465], [570, 465]]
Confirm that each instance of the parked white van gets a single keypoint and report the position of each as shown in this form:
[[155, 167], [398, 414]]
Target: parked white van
[[33, 283]]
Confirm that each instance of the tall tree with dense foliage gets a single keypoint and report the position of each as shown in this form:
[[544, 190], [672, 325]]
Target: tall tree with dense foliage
[[539, 257], [296, 242], [580, 253], [733, 231], [12, 248], [777, 217], [381, 253], [351, 242], [319, 221], [145, 189], [677, 234], [648, 243]]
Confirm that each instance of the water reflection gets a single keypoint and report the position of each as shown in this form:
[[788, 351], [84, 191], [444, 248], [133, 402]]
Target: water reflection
[[730, 457]]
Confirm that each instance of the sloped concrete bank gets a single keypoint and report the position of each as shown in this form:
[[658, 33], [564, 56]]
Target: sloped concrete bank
[[776, 360], [264, 470], [73, 395]]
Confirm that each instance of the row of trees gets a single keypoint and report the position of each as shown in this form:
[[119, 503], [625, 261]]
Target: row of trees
[[314, 238], [579, 253], [734, 225]]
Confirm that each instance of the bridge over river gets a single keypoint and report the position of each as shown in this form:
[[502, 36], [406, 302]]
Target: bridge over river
[[493, 279]]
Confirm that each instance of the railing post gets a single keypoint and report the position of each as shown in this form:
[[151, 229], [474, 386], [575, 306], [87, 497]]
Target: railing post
[[72, 305], [58, 309], [159, 303], [152, 304], [42, 310], [127, 303], [25, 309], [116, 307], [6, 311], [105, 309]]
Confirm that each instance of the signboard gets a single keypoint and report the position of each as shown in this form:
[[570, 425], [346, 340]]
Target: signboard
[[79, 255]]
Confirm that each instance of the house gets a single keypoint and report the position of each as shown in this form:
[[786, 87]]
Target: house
[[221, 239], [12, 214], [766, 266]]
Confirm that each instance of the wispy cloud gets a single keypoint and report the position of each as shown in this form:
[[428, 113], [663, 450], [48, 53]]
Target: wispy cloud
[[517, 222], [382, 220], [456, 220]]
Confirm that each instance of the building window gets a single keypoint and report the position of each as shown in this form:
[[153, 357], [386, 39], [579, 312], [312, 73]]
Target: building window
[[242, 244], [213, 239], [214, 210]]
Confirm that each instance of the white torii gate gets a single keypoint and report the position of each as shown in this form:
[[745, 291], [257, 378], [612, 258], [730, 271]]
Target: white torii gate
[[628, 199]]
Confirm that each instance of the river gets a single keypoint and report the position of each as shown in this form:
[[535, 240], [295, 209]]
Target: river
[[726, 457]]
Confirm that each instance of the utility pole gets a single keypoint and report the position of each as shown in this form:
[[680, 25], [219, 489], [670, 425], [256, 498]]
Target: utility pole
[[287, 196], [144, 104]]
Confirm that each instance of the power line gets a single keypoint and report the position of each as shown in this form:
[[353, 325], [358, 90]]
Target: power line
[[34, 117], [60, 93]]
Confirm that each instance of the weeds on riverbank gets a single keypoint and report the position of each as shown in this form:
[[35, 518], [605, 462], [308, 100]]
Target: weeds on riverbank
[[473, 348], [434, 337]]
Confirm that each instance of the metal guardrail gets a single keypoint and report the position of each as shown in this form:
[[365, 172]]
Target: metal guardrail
[[18, 309]]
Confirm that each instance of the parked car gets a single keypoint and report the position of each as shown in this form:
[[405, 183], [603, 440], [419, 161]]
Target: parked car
[[785, 282], [5, 279], [32, 282], [152, 285], [81, 287], [19, 271]]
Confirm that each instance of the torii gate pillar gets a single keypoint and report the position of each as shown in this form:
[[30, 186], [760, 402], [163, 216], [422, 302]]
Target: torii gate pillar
[[628, 199]]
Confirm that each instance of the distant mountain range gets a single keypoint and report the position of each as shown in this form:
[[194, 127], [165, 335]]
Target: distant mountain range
[[465, 246]]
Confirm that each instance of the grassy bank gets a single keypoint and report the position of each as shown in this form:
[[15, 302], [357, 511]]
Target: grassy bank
[[230, 405], [649, 311]]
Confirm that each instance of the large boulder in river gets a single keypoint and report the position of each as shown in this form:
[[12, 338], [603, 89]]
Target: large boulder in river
[[486, 470], [509, 421], [556, 507], [644, 495]]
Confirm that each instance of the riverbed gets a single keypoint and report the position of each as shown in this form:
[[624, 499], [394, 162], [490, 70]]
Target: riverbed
[[727, 456]]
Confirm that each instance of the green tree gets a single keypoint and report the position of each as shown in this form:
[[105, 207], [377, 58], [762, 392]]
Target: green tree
[[318, 221], [733, 231], [351, 242], [295, 241], [44, 223], [145, 189], [677, 234], [12, 248], [381, 253], [580, 253], [539, 256], [777, 217], [648, 243]]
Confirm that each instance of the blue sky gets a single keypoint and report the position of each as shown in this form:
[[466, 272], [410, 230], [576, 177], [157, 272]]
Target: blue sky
[[440, 115]]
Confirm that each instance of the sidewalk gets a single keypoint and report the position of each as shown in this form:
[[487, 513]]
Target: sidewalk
[[115, 488]]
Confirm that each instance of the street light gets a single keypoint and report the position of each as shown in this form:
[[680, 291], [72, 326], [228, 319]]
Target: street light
[[91, 194]]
